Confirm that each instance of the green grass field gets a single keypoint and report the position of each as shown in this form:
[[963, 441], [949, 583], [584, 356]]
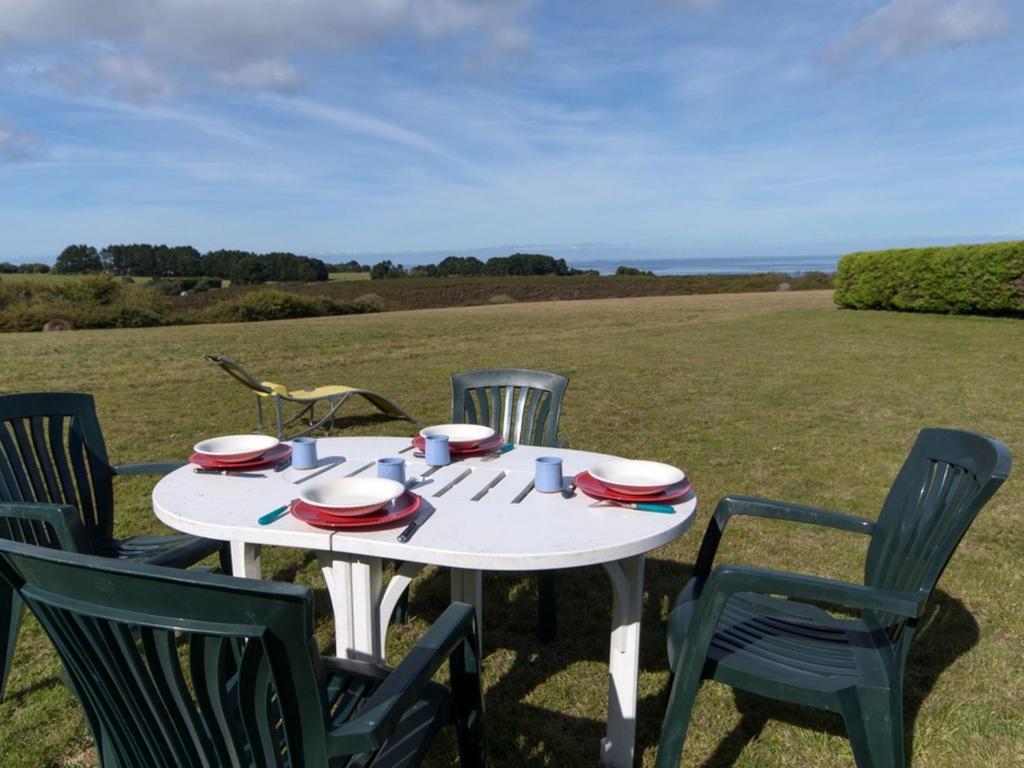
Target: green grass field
[[350, 277], [780, 395]]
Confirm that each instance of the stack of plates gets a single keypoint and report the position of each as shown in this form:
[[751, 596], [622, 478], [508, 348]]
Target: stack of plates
[[634, 481], [464, 440], [355, 502], [239, 452]]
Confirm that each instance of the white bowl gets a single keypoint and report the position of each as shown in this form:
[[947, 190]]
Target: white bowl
[[236, 448], [460, 435], [640, 477], [350, 496]]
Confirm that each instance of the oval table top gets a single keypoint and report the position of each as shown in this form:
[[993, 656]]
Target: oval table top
[[483, 512]]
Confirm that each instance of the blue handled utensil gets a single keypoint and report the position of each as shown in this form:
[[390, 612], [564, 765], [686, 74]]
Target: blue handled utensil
[[663, 509], [275, 514]]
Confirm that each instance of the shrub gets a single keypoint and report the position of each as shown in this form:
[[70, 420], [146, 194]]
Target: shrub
[[364, 304], [963, 279], [98, 301]]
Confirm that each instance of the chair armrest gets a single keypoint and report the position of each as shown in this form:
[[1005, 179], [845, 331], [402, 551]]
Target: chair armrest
[[734, 506], [726, 580], [17, 518], [451, 633], [149, 468]]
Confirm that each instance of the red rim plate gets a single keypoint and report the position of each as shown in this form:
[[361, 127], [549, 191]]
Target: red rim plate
[[597, 490], [489, 445], [401, 508], [276, 454]]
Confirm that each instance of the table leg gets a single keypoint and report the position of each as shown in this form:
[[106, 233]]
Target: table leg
[[245, 560], [627, 577], [392, 594], [354, 584], [467, 587]]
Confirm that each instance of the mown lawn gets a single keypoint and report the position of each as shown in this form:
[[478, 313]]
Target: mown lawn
[[780, 395]]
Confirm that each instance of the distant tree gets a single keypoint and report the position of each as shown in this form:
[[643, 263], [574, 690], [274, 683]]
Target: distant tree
[[78, 259], [33, 268], [7, 268], [469, 266], [250, 270], [349, 266], [219, 263], [623, 270], [385, 269]]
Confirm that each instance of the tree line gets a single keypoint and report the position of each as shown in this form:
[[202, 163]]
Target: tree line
[[518, 264], [240, 267]]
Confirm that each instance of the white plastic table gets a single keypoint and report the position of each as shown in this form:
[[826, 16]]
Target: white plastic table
[[484, 516]]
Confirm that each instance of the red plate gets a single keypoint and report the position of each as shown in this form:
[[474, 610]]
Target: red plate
[[490, 445], [401, 508], [276, 454], [597, 490]]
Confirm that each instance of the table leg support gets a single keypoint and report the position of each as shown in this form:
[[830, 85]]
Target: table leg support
[[627, 578], [392, 594], [354, 584], [468, 587], [245, 560]]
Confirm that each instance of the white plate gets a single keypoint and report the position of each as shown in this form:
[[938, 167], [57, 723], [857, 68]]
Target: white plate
[[631, 476], [349, 496], [234, 448], [460, 435]]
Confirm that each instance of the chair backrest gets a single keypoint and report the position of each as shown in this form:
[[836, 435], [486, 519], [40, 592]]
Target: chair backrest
[[177, 668], [236, 371], [523, 405], [946, 480], [52, 450]]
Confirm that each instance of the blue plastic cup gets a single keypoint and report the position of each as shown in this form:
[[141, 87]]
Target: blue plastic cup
[[437, 451], [391, 468], [547, 474], [304, 453]]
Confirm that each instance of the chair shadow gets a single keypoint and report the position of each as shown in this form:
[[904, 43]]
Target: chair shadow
[[946, 632], [531, 735], [359, 421]]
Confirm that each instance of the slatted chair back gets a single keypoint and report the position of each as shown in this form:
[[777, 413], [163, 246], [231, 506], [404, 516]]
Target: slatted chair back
[[52, 450], [947, 478], [239, 373], [209, 671], [522, 405]]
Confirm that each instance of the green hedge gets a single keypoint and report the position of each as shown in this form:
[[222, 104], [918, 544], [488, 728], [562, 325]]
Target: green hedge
[[987, 278]]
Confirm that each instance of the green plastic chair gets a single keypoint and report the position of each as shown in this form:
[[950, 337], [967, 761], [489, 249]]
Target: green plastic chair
[[179, 668], [306, 400], [523, 406], [727, 626], [56, 489]]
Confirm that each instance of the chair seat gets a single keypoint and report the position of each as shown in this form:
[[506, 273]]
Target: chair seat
[[175, 551], [773, 646], [350, 683]]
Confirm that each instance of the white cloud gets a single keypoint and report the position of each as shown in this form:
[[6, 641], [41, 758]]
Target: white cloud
[[266, 75], [244, 43], [134, 79], [15, 146], [905, 27]]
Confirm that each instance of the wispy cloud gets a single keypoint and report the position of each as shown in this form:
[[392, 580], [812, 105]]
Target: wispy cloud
[[16, 146], [358, 123], [906, 27], [245, 43]]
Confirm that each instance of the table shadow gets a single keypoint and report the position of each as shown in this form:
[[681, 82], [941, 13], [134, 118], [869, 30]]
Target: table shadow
[[523, 733]]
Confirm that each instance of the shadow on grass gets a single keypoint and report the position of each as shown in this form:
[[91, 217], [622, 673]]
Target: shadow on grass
[[523, 733]]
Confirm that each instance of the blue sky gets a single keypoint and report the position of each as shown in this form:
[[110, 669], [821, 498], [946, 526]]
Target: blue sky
[[693, 127]]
